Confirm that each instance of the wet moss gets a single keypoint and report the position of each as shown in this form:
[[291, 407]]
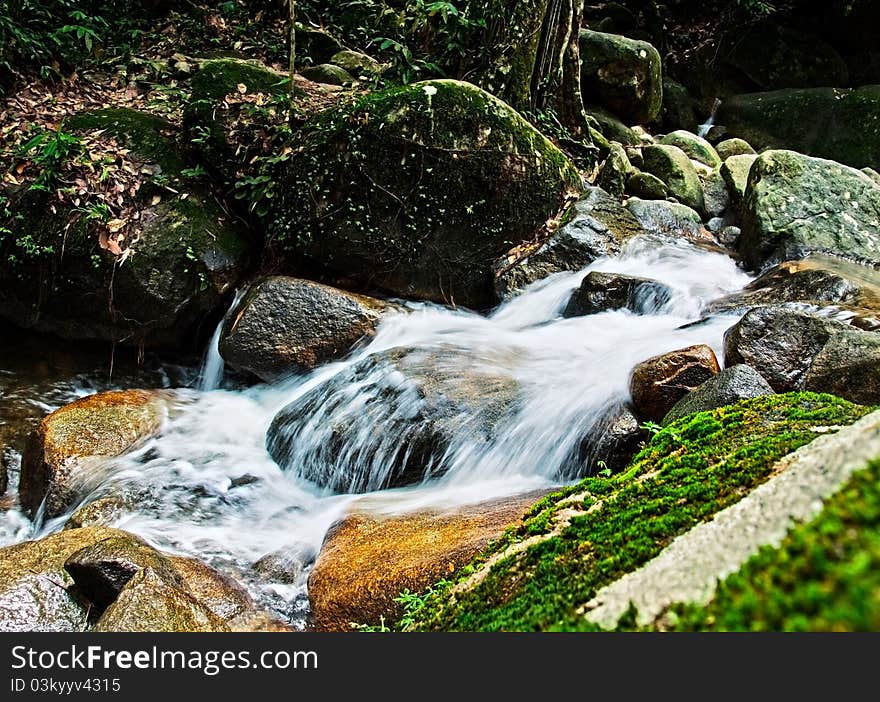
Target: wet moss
[[588, 535], [825, 576]]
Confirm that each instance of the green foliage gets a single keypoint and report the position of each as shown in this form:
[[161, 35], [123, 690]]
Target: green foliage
[[688, 472], [49, 151]]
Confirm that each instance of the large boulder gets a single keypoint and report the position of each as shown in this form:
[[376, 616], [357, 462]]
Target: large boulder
[[180, 257], [797, 350], [735, 172], [739, 382], [418, 189], [288, 325], [673, 166], [36, 592], [424, 402], [598, 225], [75, 438], [599, 292], [669, 220], [696, 147], [795, 205], [657, 383], [833, 123], [733, 147], [625, 75], [369, 558]]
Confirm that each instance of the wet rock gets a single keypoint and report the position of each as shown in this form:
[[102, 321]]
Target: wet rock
[[729, 235], [36, 592], [715, 194], [735, 172], [612, 443], [671, 165], [103, 568], [599, 226], [288, 325], [696, 148], [148, 603], [797, 350], [796, 205], [647, 186], [385, 197], [256, 620], [356, 63], [621, 74], [599, 292], [327, 73], [733, 384], [832, 123], [67, 449], [101, 512], [424, 400], [220, 593], [668, 220], [185, 253], [369, 558], [287, 566], [733, 147], [661, 381]]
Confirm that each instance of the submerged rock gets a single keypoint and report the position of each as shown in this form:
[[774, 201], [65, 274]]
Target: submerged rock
[[599, 292], [796, 205], [598, 225], [424, 403], [659, 382], [369, 558], [289, 325], [66, 450], [832, 123], [418, 189], [624, 75], [185, 254], [739, 382]]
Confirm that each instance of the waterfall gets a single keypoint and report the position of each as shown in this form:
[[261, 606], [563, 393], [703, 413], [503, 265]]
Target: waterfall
[[213, 365], [704, 128]]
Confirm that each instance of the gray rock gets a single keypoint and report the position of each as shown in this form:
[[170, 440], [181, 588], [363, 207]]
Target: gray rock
[[696, 147], [289, 325], [667, 219], [733, 384], [715, 194], [733, 147], [672, 165], [356, 63], [615, 171], [735, 172], [612, 443], [599, 292]]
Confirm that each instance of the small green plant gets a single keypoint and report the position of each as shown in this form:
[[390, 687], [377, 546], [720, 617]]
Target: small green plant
[[49, 151], [604, 471], [195, 172], [652, 427]]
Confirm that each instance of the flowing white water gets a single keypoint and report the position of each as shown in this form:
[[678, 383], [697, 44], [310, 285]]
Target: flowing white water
[[213, 365], [207, 486]]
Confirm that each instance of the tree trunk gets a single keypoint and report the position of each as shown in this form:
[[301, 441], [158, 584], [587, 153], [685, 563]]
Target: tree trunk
[[292, 6]]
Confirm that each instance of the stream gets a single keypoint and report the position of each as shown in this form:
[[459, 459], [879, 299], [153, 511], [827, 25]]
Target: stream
[[207, 487]]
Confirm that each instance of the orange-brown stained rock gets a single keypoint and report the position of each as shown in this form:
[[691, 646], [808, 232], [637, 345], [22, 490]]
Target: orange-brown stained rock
[[369, 559], [102, 425]]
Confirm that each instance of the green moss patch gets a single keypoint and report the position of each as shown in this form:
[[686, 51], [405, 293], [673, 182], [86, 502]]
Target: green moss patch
[[592, 533], [825, 576]]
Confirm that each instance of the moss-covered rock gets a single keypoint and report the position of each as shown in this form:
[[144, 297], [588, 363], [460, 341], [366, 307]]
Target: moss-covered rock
[[574, 542], [672, 165], [838, 124], [284, 326], [694, 146], [597, 225], [733, 147], [668, 220], [55, 465], [418, 189], [624, 75], [735, 172], [185, 253], [615, 171], [679, 110], [327, 73], [357, 64], [795, 205], [369, 558], [647, 186]]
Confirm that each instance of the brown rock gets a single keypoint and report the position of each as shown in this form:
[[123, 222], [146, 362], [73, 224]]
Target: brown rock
[[218, 592], [63, 448], [368, 559], [660, 382]]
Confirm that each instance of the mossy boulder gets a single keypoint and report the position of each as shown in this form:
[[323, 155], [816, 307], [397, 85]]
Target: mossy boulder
[[735, 172], [36, 592], [739, 382], [217, 136], [837, 124], [680, 108], [797, 350], [327, 73], [668, 220], [356, 63], [424, 400], [284, 326], [624, 75], [544, 570], [733, 147], [672, 165], [615, 171], [646, 186], [369, 558], [597, 225], [657, 383], [696, 147], [795, 205], [600, 292], [64, 450], [185, 252], [716, 197], [315, 44], [774, 57], [418, 189]]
